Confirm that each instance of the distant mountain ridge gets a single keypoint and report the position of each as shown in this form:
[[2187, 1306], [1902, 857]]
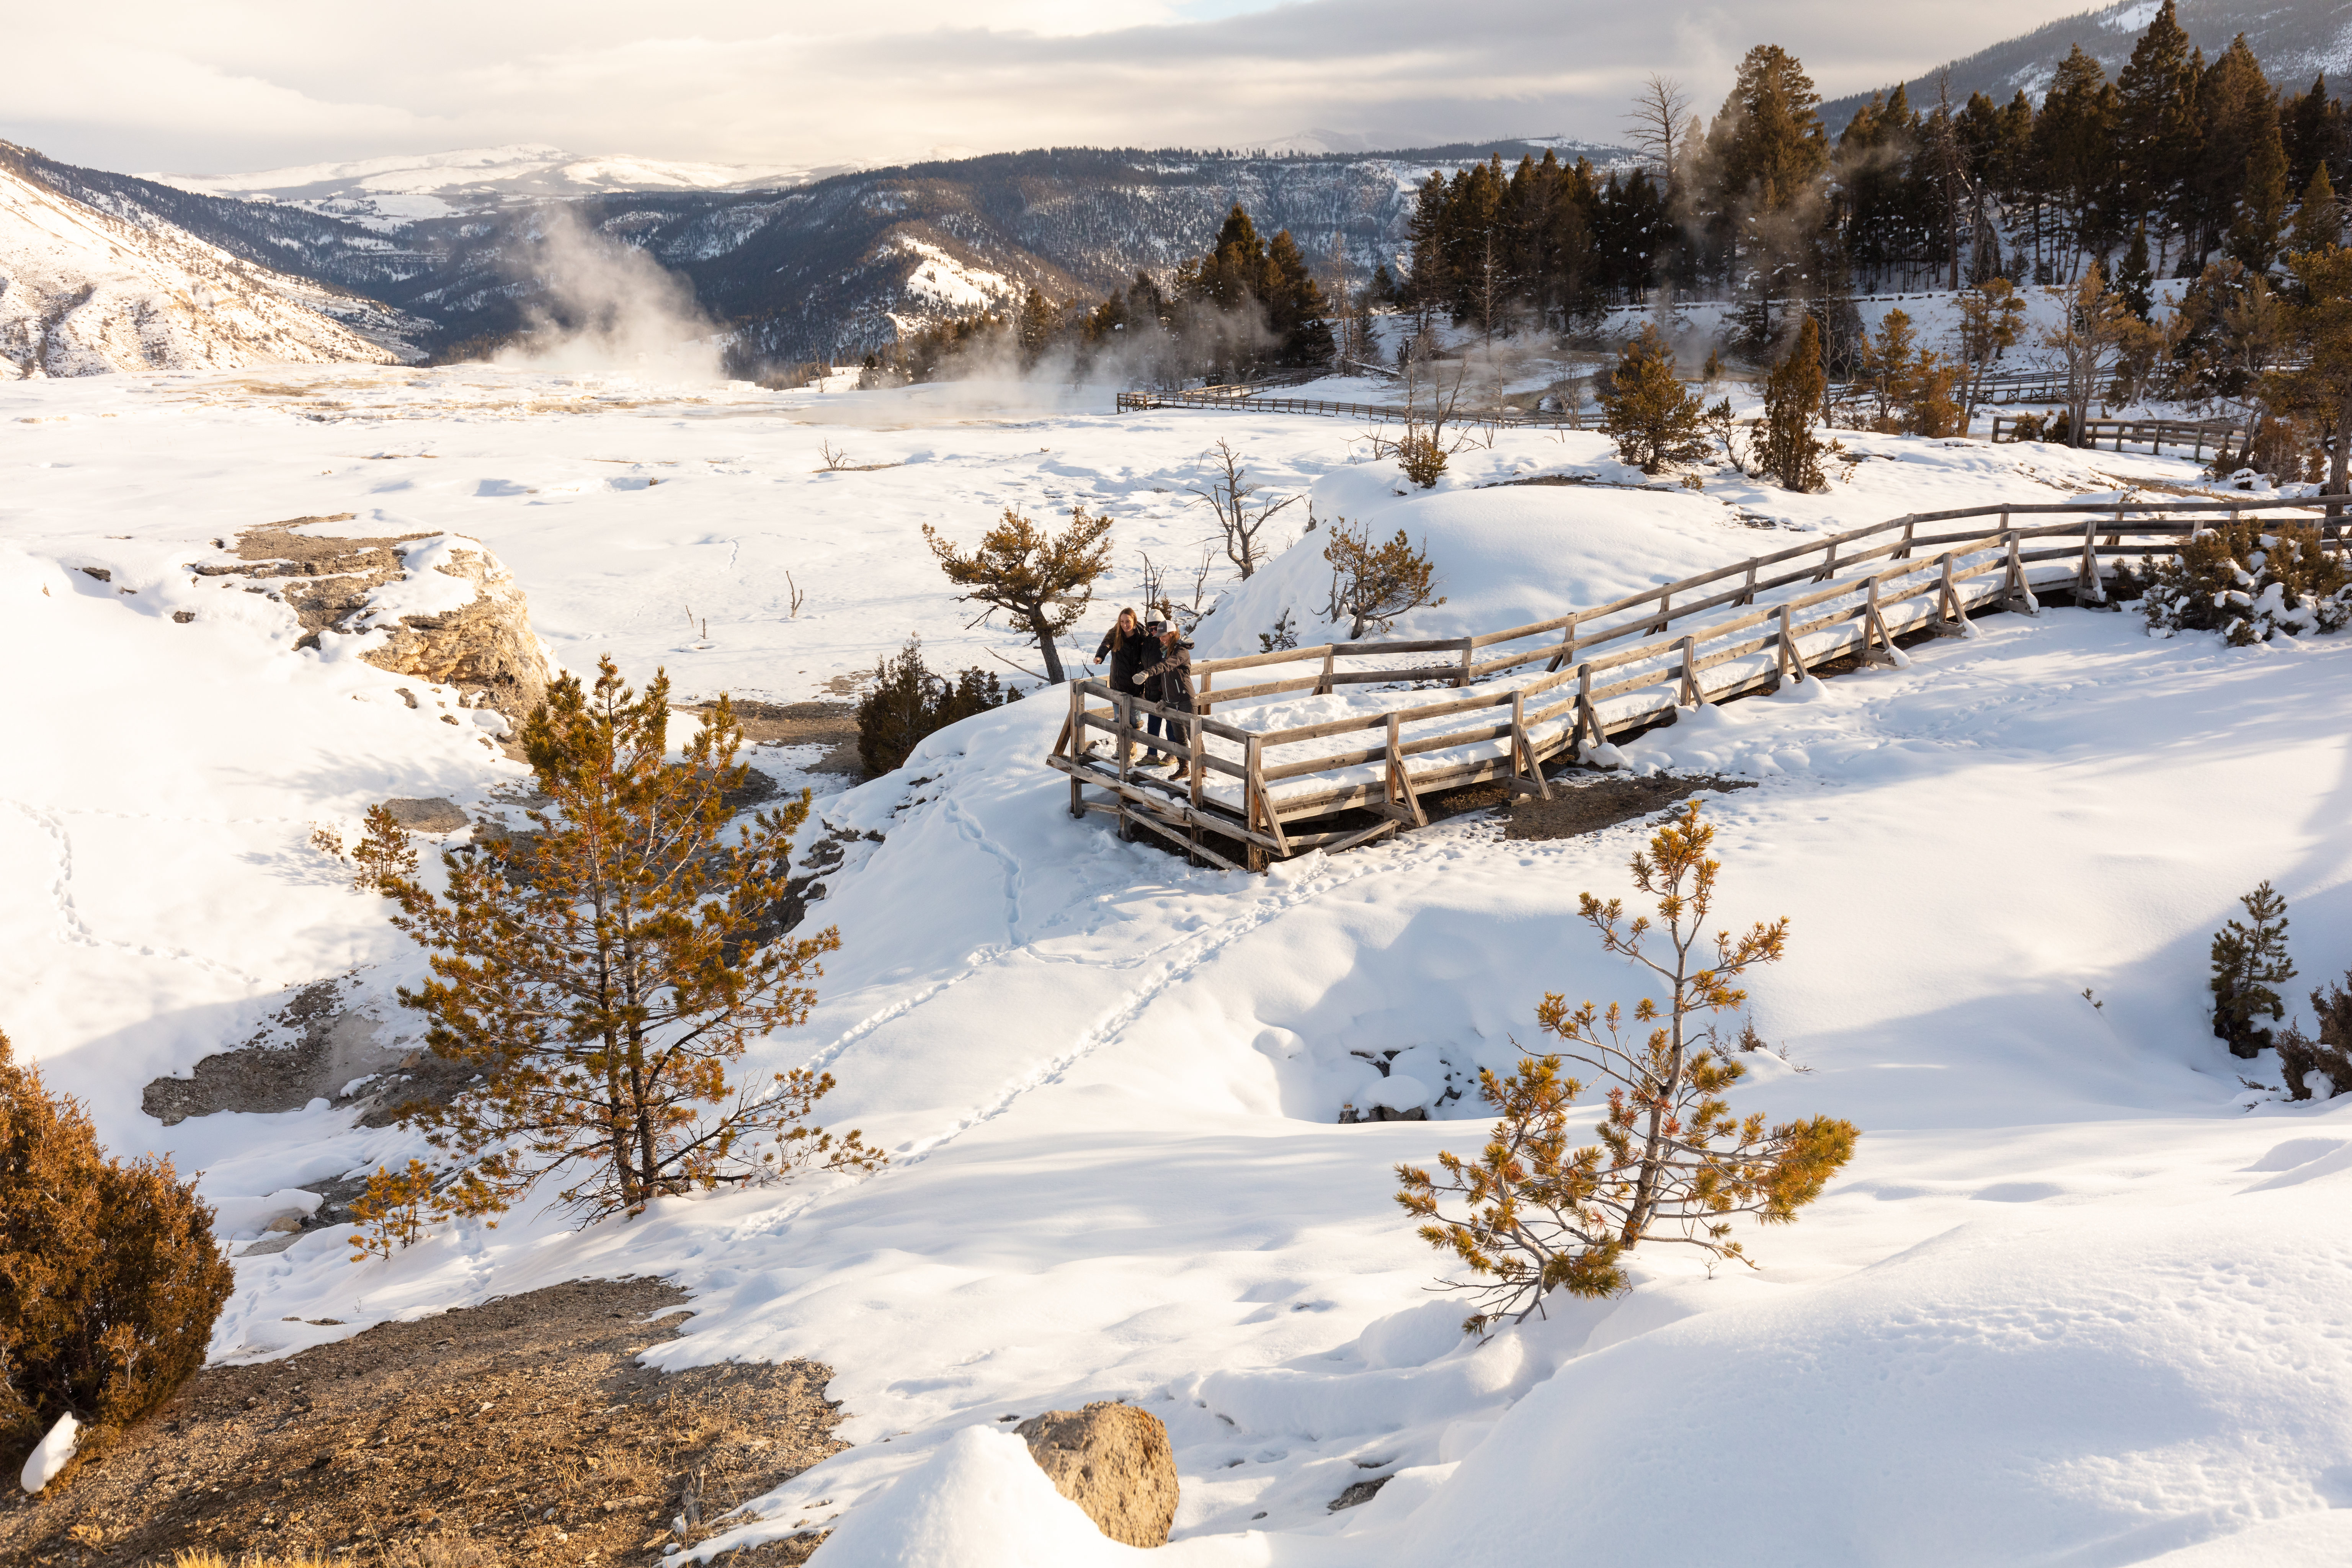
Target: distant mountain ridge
[[2295, 42], [390, 192], [835, 265]]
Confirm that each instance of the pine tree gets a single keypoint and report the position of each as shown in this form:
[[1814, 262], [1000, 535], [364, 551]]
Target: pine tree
[[2319, 334], [2134, 283], [1372, 584], [110, 1279], [1673, 1166], [1653, 418], [1793, 395], [2249, 963], [2156, 103], [602, 974], [2261, 202], [2236, 112], [2318, 221], [1035, 330], [1045, 580]]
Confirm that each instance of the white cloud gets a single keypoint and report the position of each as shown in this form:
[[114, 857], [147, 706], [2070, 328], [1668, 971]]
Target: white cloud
[[215, 88]]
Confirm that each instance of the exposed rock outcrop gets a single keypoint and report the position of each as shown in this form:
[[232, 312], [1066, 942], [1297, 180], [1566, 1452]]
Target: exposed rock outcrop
[[321, 1045], [1114, 1461], [446, 609]]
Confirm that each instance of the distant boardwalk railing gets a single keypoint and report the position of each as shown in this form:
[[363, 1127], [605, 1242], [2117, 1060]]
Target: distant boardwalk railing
[[2195, 435], [1247, 792], [1214, 397]]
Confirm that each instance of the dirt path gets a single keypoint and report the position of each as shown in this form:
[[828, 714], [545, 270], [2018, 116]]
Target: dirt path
[[518, 1432]]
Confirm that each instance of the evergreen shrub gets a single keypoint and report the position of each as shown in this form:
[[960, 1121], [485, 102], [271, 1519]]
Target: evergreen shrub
[[110, 1279], [2246, 584], [908, 702]]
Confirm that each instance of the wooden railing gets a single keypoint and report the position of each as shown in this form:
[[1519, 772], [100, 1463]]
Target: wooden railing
[[1214, 398], [1607, 670], [2196, 434]]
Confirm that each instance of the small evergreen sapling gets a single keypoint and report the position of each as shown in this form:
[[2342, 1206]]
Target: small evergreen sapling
[[2249, 963], [1672, 1164], [1789, 451], [2331, 1053], [1653, 419], [1372, 584], [394, 1211], [602, 974]]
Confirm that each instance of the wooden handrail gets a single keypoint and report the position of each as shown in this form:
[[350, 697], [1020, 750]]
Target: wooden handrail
[[1864, 599]]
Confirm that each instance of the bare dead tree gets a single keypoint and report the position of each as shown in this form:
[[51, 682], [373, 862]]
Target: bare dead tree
[[1661, 106], [836, 459], [1187, 613], [1228, 493]]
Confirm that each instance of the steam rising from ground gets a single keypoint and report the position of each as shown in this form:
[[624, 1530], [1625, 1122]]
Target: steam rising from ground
[[606, 306]]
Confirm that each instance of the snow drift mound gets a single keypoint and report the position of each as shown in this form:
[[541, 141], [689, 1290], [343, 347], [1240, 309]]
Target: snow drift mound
[[82, 293], [1504, 555], [2095, 1387]]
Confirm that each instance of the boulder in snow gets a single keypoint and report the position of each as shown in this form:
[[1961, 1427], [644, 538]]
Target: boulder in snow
[[1112, 1460]]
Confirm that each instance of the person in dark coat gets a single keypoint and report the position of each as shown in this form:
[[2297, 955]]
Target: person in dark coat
[[1129, 646], [1171, 677]]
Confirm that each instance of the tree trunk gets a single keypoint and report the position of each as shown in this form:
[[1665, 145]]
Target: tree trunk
[[1045, 636]]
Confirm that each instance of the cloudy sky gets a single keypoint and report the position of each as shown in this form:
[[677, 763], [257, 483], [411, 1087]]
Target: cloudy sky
[[234, 85]]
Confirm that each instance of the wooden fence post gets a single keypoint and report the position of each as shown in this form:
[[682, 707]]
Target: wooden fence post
[[1463, 680], [1323, 687], [1588, 718], [1784, 650], [2015, 594], [1399, 785], [1690, 697], [1910, 523], [1951, 620], [1077, 748], [1523, 748], [1873, 622], [1828, 563], [1748, 594], [1567, 644]]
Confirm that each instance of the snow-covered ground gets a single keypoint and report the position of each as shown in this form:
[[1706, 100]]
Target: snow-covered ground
[[2080, 1299]]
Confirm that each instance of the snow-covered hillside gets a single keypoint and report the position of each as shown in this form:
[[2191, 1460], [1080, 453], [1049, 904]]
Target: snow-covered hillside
[[82, 293], [389, 192], [2078, 1301]]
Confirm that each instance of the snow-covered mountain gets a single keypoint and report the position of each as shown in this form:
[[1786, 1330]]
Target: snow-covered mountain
[[83, 292], [390, 192], [2295, 41], [837, 264]]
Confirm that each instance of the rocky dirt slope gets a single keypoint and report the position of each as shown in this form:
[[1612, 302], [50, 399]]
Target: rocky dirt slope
[[521, 1430]]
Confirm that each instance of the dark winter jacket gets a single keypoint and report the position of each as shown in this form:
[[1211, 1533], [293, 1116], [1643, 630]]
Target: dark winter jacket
[[1126, 655], [1170, 681]]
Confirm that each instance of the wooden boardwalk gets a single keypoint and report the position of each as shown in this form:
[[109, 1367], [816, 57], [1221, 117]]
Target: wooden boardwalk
[[1246, 401], [1253, 789]]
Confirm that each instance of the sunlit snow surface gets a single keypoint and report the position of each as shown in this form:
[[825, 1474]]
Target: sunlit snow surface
[[2081, 1299]]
